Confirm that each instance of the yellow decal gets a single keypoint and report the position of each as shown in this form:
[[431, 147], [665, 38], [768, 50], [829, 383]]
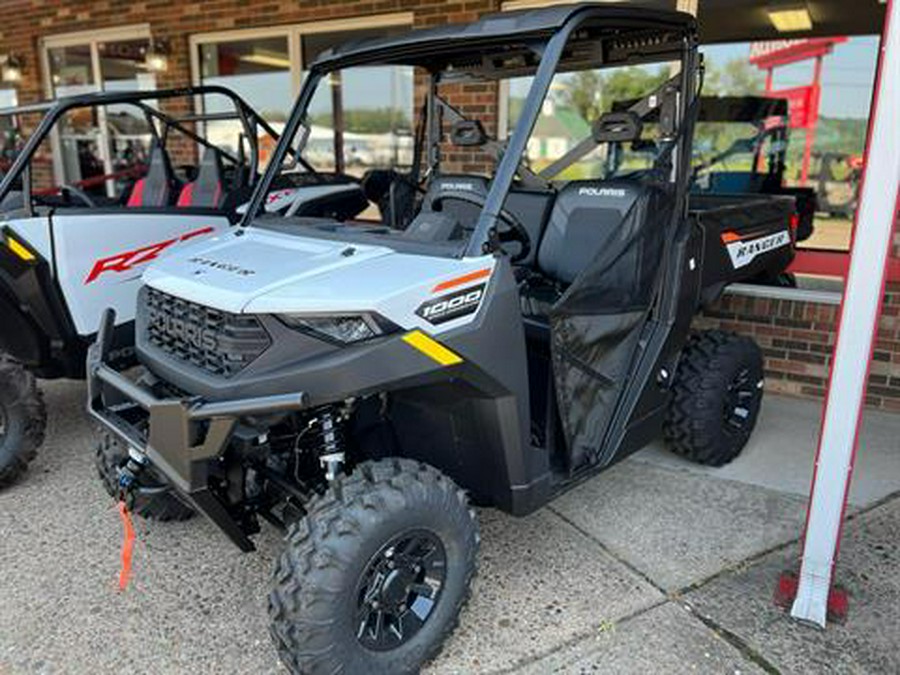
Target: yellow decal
[[432, 348]]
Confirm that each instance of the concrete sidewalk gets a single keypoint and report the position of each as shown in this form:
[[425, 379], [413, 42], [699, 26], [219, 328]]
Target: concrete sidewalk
[[653, 566]]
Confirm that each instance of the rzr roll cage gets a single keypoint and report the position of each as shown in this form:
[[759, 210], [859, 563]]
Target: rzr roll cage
[[539, 43], [53, 111]]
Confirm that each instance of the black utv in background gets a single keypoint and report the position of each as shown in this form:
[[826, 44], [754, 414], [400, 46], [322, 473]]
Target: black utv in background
[[358, 385]]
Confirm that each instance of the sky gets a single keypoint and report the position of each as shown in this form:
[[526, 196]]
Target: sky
[[848, 74]]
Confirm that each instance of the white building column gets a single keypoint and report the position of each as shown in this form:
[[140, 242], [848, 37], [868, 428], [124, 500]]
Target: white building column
[[860, 308]]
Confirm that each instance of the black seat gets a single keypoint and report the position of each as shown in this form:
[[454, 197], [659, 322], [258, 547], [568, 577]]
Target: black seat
[[530, 207], [465, 213], [155, 188], [587, 218], [206, 189]]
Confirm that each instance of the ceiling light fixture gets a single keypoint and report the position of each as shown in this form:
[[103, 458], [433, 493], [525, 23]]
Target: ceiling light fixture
[[790, 18], [266, 58], [156, 60]]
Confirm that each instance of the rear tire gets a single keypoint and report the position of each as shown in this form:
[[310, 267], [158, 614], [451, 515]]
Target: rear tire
[[162, 506], [395, 539], [23, 419], [716, 397]]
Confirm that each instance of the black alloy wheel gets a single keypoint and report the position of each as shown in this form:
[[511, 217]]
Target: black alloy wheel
[[399, 589]]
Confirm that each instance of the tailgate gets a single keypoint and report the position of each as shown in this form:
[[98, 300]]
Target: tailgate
[[744, 235]]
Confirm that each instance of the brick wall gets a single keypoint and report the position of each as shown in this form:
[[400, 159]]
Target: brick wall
[[23, 22]]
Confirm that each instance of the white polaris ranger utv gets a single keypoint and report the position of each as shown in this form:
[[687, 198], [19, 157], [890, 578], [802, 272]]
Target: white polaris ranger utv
[[358, 385], [70, 249]]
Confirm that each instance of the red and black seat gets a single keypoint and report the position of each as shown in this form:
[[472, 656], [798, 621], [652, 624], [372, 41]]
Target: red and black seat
[[155, 189], [206, 189]]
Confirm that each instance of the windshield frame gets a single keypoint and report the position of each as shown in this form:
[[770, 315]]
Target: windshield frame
[[550, 51]]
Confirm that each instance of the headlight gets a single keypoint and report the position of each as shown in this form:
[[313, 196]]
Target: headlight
[[345, 329]]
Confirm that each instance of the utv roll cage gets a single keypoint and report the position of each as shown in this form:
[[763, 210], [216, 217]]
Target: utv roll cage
[[53, 111], [519, 43]]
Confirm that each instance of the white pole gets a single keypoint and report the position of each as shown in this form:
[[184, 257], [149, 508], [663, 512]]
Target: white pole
[[863, 292]]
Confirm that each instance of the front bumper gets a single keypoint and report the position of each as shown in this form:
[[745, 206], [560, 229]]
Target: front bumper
[[180, 436]]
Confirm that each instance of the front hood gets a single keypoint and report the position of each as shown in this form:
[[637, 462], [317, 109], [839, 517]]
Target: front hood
[[230, 270], [264, 272]]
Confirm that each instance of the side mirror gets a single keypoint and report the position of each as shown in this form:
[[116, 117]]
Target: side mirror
[[617, 127], [468, 133]]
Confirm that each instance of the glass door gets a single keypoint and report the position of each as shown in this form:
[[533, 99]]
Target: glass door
[[126, 137], [89, 146]]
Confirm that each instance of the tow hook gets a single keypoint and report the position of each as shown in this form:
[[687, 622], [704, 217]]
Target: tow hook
[[128, 478]]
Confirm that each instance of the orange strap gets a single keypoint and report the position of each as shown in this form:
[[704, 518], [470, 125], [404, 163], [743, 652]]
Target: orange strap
[[127, 546]]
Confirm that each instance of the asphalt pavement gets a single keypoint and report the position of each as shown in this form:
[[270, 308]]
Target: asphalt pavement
[[653, 566]]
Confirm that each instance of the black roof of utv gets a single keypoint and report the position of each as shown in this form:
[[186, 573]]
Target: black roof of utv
[[442, 45]]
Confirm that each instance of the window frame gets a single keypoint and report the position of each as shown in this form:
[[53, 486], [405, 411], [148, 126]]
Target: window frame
[[92, 39], [294, 34]]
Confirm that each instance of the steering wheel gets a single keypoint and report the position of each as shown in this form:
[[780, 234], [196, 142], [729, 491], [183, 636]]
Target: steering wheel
[[516, 231], [69, 191]]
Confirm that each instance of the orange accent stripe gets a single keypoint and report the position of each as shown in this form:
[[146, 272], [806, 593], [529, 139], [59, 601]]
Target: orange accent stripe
[[459, 281], [729, 237]]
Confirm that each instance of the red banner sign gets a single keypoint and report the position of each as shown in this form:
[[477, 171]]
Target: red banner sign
[[802, 104], [773, 53]]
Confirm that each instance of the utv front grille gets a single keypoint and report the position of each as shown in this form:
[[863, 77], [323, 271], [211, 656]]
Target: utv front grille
[[218, 342]]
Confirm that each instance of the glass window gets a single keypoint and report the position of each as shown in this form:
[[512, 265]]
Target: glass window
[[837, 135], [122, 68], [365, 115], [71, 70], [575, 101], [94, 142], [10, 139], [258, 69]]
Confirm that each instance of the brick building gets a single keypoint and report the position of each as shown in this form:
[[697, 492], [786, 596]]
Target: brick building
[[259, 47]]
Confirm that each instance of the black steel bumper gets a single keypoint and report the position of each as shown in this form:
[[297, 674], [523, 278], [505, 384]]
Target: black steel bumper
[[180, 436]]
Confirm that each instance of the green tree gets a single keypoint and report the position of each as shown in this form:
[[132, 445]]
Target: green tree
[[581, 92], [591, 92], [736, 77]]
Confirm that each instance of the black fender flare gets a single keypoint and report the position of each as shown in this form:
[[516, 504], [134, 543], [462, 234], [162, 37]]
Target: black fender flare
[[19, 336]]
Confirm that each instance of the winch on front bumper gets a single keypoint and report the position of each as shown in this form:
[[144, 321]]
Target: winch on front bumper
[[180, 436]]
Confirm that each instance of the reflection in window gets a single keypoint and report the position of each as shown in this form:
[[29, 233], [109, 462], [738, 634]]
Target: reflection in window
[[847, 79], [371, 109], [71, 71], [575, 101], [259, 71], [360, 118], [10, 139]]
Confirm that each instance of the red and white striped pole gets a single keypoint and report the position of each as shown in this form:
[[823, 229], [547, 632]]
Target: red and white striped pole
[[860, 309]]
